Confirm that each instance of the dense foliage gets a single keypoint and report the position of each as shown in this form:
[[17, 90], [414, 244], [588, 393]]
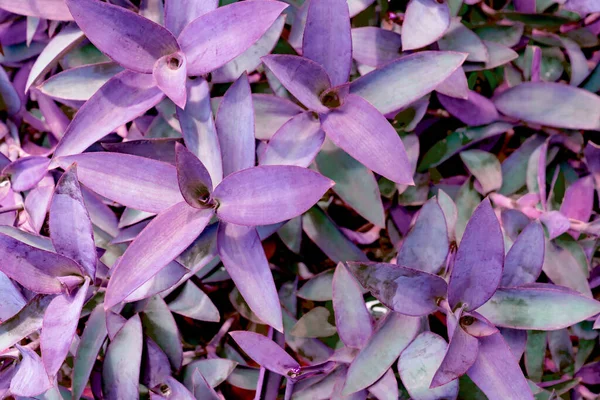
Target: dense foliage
[[299, 199]]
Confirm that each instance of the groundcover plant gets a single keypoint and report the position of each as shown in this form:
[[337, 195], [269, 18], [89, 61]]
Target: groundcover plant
[[300, 199]]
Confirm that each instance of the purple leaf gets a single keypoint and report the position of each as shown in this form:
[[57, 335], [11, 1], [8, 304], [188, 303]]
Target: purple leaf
[[406, 80], [404, 290], [114, 323], [478, 265], [425, 21], [524, 261], [165, 279], [170, 73], [133, 181], [525, 6], [171, 232], [121, 366], [271, 112], [426, 246], [386, 388], [59, 327], [219, 36], [235, 127], [459, 38], [352, 127], [194, 180], [305, 79], [315, 323], [455, 85], [55, 118], [578, 202], [383, 348], [485, 167], [202, 390], [123, 98], [352, 318], [198, 128], [475, 110], [12, 300], [179, 13], [268, 194], [327, 40], [48, 9], [162, 149], [496, 371], [70, 226], [37, 203], [551, 104], [460, 356], [91, 341], [535, 306], [297, 142], [34, 268], [375, 46], [556, 223], [60, 45], [26, 172], [31, 378], [418, 364], [245, 261], [126, 37], [266, 353]]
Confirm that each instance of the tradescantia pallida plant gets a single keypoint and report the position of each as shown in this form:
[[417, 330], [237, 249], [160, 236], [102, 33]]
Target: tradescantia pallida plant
[[167, 228]]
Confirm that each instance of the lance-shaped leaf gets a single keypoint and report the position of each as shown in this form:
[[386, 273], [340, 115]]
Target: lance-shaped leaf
[[425, 21], [406, 80], [418, 364], [114, 323], [34, 268], [47, 9], [122, 99], [536, 306], [31, 378], [179, 13], [170, 73], [165, 279], [194, 303], [352, 318], [133, 181], [26, 172], [194, 180], [12, 300], [162, 149], [404, 290], [91, 341], [578, 202], [70, 226], [244, 258], [353, 127], [219, 36], [59, 326], [564, 268], [61, 44], [327, 39], [426, 246], [375, 46], [214, 370], [496, 371], [201, 388], [459, 356], [524, 261], [235, 125], [383, 348], [36, 205], [297, 142], [478, 265], [25, 322], [315, 324], [266, 353], [10, 98], [268, 194], [305, 79], [455, 85], [160, 242], [121, 366], [131, 40], [159, 325], [474, 110], [79, 83], [198, 128], [551, 104]]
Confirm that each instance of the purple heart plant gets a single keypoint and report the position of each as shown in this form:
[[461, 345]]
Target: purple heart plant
[[299, 199]]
